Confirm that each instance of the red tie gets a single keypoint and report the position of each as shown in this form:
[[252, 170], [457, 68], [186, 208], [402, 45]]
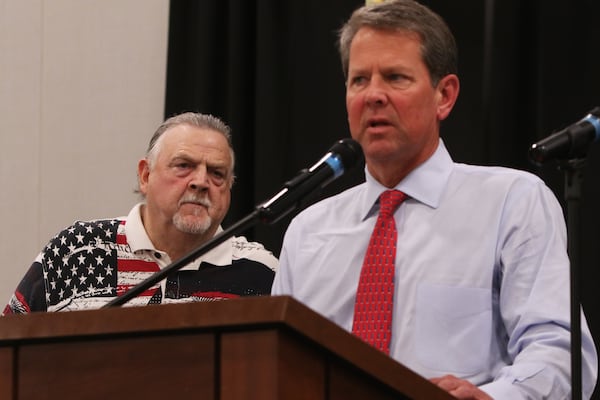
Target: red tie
[[375, 293]]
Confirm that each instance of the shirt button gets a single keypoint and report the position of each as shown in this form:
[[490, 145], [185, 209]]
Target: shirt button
[[157, 255]]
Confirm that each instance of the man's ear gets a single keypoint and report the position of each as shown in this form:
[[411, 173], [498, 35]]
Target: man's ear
[[143, 173], [448, 89]]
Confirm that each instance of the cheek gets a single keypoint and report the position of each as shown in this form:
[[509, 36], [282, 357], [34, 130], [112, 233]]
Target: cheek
[[221, 197], [167, 189], [220, 203], [354, 109]]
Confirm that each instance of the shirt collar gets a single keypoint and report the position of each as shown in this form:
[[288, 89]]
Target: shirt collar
[[426, 183], [138, 240]]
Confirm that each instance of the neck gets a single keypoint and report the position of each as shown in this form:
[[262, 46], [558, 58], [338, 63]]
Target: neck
[[387, 177], [391, 171]]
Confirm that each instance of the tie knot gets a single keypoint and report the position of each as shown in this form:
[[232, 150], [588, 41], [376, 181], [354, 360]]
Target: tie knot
[[389, 201]]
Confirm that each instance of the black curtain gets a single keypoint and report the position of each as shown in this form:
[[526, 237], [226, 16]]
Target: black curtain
[[270, 69]]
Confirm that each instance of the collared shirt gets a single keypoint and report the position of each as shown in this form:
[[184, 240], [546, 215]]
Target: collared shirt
[[90, 262], [482, 275], [231, 249]]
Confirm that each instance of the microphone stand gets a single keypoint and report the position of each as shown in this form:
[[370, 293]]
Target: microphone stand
[[572, 192], [240, 226]]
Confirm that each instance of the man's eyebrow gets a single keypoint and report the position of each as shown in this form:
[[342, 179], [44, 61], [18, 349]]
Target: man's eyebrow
[[182, 157]]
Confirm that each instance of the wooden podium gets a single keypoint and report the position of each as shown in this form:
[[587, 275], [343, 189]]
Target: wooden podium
[[252, 348]]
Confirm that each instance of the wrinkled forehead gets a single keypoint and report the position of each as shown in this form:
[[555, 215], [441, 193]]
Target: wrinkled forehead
[[194, 141]]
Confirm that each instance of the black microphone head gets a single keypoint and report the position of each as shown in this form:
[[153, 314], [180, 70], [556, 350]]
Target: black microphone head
[[349, 151]]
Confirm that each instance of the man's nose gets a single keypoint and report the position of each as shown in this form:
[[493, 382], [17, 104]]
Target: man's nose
[[199, 179], [375, 94]]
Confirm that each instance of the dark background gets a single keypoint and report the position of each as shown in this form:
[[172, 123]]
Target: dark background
[[270, 69]]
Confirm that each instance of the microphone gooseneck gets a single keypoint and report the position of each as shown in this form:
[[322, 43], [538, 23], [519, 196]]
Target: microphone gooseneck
[[342, 156]]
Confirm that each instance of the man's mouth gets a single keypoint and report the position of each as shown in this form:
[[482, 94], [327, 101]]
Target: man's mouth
[[376, 123], [196, 203]]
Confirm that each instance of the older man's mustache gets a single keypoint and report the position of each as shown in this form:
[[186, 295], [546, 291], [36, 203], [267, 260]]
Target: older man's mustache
[[192, 198]]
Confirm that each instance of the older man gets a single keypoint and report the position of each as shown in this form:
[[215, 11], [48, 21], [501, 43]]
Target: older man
[[185, 180]]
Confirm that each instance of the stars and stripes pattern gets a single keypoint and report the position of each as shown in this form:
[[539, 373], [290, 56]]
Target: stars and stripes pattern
[[80, 262], [375, 293], [89, 263]]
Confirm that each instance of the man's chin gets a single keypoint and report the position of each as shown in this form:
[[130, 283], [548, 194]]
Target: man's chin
[[192, 225]]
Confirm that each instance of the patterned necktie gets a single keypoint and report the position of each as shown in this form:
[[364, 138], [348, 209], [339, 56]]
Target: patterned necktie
[[375, 293]]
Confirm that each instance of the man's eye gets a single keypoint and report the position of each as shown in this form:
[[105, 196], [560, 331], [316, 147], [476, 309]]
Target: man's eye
[[182, 168], [357, 80], [183, 165], [218, 176], [398, 79]]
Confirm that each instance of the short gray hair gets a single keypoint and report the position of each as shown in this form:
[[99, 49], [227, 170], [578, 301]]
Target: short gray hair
[[438, 46], [204, 121]]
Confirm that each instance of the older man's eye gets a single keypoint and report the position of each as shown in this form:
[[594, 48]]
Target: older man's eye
[[218, 175], [180, 163], [182, 168]]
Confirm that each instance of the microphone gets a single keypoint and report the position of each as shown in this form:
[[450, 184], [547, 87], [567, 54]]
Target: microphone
[[342, 156], [571, 142]]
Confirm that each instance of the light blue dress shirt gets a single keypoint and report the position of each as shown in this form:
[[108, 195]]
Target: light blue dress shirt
[[482, 275]]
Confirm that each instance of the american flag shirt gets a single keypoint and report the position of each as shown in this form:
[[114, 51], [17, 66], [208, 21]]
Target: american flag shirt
[[90, 262]]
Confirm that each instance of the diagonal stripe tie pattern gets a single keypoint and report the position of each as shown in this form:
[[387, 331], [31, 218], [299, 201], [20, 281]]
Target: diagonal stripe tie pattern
[[375, 293]]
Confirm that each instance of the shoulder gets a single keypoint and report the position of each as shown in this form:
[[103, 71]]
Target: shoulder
[[331, 206], [253, 251], [341, 209], [94, 225], [511, 189], [82, 234], [503, 178], [495, 172]]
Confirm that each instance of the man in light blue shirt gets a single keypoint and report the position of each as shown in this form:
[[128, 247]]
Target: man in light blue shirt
[[481, 301]]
